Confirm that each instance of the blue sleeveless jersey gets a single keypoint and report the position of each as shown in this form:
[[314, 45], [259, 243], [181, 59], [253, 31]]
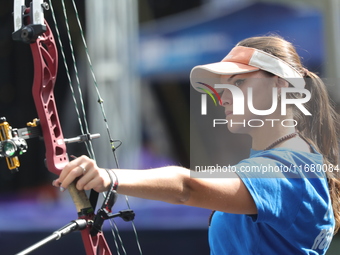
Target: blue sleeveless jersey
[[294, 216]]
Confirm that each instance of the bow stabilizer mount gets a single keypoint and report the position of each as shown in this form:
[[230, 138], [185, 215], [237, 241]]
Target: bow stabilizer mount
[[29, 22]]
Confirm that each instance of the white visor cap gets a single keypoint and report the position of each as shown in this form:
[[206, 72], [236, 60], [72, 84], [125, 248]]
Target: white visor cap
[[245, 60]]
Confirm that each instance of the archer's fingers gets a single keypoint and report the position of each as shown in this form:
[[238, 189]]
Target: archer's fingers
[[74, 169], [96, 184], [71, 166], [85, 179], [96, 178]]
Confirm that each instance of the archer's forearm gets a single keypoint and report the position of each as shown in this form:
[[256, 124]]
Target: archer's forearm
[[168, 184]]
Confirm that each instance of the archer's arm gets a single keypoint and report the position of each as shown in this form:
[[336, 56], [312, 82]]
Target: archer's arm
[[170, 184]]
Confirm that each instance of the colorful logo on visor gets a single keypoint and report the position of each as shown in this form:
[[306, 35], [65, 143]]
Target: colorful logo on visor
[[207, 91]]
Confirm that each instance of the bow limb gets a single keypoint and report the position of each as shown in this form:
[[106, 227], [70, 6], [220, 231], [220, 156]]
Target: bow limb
[[45, 70], [45, 58]]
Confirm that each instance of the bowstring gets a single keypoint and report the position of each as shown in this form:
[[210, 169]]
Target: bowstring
[[89, 146], [101, 103], [88, 143]]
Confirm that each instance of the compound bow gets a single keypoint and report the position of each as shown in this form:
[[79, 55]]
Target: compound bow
[[31, 27]]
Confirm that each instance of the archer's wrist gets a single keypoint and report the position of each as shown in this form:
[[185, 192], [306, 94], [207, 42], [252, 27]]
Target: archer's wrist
[[114, 180]]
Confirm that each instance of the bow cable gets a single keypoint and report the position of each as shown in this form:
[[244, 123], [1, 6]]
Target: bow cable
[[100, 101]]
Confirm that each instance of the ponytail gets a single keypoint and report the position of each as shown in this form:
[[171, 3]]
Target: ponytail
[[321, 130]]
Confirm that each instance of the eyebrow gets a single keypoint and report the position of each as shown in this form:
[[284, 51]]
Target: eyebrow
[[231, 77]]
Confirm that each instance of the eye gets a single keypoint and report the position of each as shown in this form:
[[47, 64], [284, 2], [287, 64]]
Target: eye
[[239, 82]]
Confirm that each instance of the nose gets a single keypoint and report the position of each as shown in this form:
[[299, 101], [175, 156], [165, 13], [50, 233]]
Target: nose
[[226, 98]]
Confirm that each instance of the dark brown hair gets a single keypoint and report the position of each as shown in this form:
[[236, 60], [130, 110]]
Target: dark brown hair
[[321, 129]]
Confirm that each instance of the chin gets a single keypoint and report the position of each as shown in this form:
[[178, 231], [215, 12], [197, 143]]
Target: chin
[[237, 129], [235, 126]]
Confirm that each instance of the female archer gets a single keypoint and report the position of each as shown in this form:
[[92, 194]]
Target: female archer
[[290, 212]]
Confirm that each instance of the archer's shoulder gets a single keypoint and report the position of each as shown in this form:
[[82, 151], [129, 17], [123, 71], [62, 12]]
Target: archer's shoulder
[[281, 163], [286, 155]]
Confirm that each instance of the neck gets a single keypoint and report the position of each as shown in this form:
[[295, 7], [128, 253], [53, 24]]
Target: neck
[[265, 136]]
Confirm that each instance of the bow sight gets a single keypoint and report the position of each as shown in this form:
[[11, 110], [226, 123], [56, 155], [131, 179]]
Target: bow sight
[[13, 143], [13, 140]]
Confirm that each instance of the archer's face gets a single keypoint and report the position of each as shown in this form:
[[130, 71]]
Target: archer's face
[[262, 99]]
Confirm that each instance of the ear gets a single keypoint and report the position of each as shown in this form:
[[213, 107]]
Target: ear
[[281, 83]]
